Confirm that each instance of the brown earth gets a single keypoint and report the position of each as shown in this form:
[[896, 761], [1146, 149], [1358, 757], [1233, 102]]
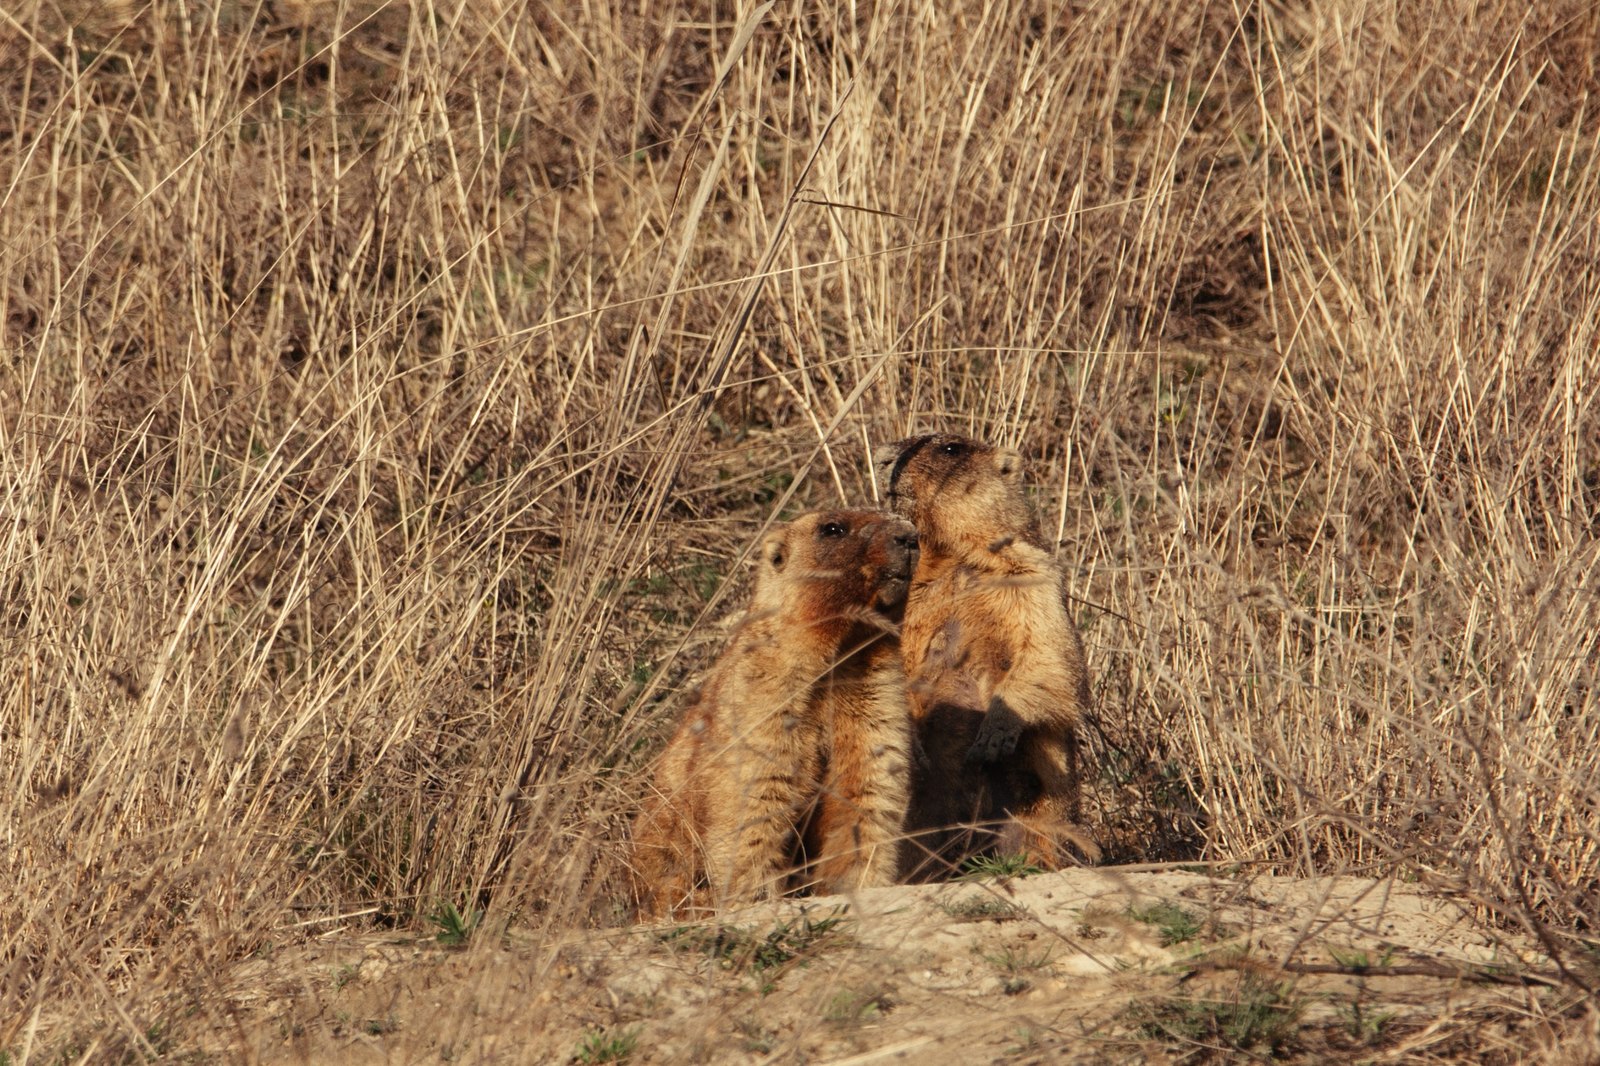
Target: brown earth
[[1116, 964]]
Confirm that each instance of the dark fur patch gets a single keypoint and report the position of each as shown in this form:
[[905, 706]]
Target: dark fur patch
[[910, 451]]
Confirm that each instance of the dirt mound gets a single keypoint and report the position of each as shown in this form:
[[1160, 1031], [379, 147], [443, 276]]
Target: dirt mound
[[1121, 964]]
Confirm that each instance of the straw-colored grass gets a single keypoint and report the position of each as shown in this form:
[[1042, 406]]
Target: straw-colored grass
[[389, 393]]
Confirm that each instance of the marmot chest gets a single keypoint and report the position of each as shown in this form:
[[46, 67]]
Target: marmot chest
[[973, 624]]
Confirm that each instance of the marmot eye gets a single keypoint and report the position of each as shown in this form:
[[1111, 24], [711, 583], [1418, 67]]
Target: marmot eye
[[833, 529], [952, 448]]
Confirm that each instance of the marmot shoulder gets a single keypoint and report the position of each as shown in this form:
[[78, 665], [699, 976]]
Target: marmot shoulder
[[790, 767], [997, 681]]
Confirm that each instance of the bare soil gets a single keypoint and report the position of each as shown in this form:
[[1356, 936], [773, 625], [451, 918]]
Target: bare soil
[[1112, 964]]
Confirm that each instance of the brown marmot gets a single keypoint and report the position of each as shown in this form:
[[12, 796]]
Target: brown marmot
[[790, 768], [996, 676]]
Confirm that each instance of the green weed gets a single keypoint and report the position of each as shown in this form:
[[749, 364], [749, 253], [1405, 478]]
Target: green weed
[[1360, 960], [738, 948], [758, 1039], [981, 867], [1176, 924], [606, 1046], [1015, 964], [983, 908], [1364, 1025], [854, 1007], [454, 927], [1255, 1016]]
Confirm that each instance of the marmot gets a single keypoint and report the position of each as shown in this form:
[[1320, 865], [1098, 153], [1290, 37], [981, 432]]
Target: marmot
[[790, 768], [996, 676]]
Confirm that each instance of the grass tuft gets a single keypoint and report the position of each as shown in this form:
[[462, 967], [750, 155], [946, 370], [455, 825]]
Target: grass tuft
[[606, 1046], [455, 928], [738, 948], [986, 867], [1177, 924], [1254, 1017], [983, 908]]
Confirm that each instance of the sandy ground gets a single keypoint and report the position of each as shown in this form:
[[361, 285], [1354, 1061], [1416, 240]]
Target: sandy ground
[[1106, 965]]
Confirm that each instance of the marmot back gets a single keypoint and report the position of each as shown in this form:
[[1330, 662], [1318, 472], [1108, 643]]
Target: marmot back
[[995, 669], [790, 767]]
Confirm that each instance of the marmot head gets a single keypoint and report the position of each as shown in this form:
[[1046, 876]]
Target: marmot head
[[837, 566], [961, 493]]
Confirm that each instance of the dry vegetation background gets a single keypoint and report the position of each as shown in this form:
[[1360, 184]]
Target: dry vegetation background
[[389, 392]]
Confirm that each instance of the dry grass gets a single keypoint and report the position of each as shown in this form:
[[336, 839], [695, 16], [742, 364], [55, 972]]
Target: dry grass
[[389, 392]]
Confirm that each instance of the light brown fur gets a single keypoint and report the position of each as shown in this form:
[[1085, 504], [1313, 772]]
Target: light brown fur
[[996, 676], [790, 767]]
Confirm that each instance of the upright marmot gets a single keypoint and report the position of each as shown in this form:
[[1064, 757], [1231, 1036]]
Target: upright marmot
[[996, 676], [790, 767]]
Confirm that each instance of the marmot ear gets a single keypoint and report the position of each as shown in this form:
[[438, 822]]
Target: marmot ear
[[775, 551], [886, 454], [1008, 462]]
